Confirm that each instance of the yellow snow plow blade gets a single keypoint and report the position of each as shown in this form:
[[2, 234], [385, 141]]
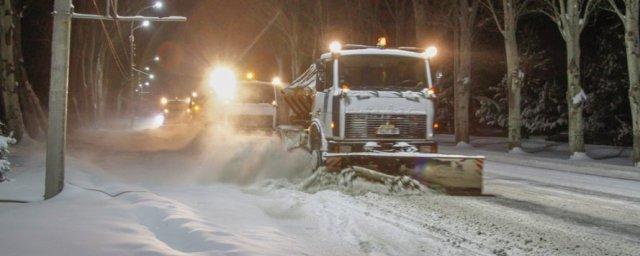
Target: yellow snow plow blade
[[452, 174]]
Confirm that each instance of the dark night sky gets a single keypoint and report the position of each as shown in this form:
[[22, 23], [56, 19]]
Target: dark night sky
[[218, 31]]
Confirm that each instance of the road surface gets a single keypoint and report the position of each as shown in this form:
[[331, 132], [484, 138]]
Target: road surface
[[240, 196]]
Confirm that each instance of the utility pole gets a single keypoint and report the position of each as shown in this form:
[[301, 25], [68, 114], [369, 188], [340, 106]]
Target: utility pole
[[58, 88]]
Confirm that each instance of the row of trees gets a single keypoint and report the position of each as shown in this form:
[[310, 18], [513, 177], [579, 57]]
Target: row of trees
[[570, 17], [455, 24]]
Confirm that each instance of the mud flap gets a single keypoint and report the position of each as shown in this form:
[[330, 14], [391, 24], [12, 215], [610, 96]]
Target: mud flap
[[453, 174]]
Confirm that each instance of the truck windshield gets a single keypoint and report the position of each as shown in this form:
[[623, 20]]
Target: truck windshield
[[255, 92], [376, 72]]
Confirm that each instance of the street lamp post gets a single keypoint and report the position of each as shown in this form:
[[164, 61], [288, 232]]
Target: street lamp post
[[132, 54]]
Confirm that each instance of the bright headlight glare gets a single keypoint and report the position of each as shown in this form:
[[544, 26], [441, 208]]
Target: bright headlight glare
[[223, 82], [158, 120], [276, 81], [335, 47], [431, 52]]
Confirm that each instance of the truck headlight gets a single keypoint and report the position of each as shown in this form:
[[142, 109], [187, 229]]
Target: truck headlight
[[224, 84]]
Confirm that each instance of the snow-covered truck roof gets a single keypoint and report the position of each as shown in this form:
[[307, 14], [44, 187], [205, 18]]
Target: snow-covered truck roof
[[377, 51], [307, 79]]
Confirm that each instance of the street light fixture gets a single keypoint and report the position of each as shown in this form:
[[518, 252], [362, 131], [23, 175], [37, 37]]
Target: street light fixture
[[147, 68], [146, 83], [146, 23], [152, 76], [156, 58], [158, 5]]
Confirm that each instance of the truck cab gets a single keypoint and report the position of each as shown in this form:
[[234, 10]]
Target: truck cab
[[372, 99]]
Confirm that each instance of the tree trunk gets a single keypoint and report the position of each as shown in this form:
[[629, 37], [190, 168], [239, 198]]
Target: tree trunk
[[514, 76], [11, 100], [575, 94], [632, 42], [462, 85], [33, 115], [420, 21]]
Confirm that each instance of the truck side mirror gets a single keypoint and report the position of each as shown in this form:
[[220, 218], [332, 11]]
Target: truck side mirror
[[320, 81]]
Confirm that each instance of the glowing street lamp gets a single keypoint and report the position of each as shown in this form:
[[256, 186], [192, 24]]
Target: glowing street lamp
[[146, 83], [146, 23], [250, 76], [147, 68], [156, 58], [152, 76]]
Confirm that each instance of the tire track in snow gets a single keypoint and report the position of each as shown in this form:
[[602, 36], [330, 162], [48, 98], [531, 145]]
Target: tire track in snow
[[350, 213], [179, 227]]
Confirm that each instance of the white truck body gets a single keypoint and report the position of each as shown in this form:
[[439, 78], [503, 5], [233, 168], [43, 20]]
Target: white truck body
[[364, 108]]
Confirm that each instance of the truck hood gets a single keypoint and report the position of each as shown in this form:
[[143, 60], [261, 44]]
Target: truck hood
[[386, 102]]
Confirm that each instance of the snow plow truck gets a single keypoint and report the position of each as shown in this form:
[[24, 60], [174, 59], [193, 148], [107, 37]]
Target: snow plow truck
[[371, 109]]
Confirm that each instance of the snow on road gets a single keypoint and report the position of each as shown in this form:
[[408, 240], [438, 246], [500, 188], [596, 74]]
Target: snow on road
[[240, 197]]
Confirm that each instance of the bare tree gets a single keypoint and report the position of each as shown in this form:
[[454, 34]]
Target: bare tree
[[505, 14], [571, 17], [630, 18]]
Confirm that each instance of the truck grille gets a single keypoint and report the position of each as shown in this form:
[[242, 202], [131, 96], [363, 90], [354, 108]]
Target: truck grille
[[363, 126]]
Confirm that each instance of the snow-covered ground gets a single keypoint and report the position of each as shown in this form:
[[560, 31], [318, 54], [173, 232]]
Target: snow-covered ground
[[181, 192]]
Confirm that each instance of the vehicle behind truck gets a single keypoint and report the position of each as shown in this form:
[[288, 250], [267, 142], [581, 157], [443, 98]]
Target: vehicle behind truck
[[177, 111], [254, 106], [248, 105], [372, 108]]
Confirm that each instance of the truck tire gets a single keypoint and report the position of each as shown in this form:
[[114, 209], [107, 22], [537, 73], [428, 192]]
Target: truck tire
[[315, 145], [316, 160]]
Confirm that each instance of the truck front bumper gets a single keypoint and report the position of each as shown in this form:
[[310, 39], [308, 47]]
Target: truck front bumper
[[348, 146]]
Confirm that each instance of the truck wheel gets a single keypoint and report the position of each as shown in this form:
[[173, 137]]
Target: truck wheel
[[316, 160]]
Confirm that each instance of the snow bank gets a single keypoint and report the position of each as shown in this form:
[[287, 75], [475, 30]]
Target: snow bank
[[579, 156], [517, 150], [463, 144]]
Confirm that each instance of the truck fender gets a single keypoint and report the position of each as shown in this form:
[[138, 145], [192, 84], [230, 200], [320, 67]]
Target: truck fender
[[317, 124]]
